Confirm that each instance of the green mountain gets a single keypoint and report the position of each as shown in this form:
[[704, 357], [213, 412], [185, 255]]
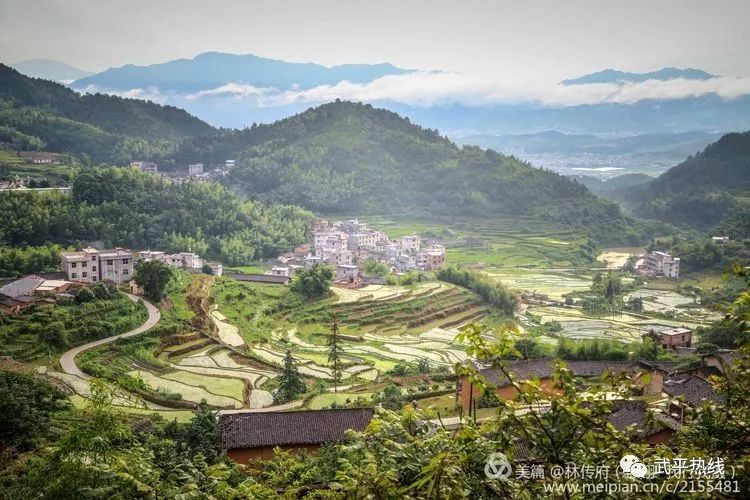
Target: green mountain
[[344, 157], [40, 114], [710, 188]]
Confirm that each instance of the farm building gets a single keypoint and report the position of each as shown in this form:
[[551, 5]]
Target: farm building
[[249, 436], [260, 278]]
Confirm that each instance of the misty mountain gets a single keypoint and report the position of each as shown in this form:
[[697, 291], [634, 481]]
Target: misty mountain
[[41, 114], [211, 70], [50, 70], [614, 187], [615, 76], [704, 190]]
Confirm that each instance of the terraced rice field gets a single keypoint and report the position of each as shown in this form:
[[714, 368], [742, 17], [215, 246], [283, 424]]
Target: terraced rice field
[[544, 282], [682, 307], [194, 393], [615, 258], [228, 333]]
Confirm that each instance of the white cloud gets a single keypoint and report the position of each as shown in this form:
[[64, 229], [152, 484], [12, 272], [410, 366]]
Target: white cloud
[[436, 88]]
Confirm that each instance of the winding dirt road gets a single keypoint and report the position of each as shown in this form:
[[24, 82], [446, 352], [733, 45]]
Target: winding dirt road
[[68, 361]]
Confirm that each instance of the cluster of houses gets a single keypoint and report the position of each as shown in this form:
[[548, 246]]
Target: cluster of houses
[[195, 171], [349, 244], [658, 264], [90, 265], [17, 295], [87, 267]]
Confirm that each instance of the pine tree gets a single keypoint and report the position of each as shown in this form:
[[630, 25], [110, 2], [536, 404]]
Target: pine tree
[[334, 354], [291, 383]]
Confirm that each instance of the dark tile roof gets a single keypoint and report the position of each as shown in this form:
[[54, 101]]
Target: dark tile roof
[[544, 368], [694, 390], [259, 278], [251, 430], [633, 415]]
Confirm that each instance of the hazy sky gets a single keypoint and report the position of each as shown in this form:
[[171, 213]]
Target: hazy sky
[[513, 40]]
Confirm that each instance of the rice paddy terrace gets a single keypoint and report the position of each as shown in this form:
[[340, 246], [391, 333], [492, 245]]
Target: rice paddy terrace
[[246, 328]]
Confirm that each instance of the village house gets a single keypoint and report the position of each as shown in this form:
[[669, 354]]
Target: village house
[[659, 264], [260, 278], [672, 338], [195, 169], [284, 271], [689, 392], [187, 261], [247, 436], [30, 290], [91, 265]]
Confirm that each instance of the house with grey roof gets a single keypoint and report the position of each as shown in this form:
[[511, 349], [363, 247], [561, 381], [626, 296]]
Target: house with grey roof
[[247, 436]]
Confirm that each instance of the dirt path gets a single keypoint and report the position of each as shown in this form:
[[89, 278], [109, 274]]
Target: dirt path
[[67, 360]]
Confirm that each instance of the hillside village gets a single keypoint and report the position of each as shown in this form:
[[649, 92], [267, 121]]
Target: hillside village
[[350, 244], [230, 276]]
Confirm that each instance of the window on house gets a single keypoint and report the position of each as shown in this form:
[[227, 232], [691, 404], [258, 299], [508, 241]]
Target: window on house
[[125, 271], [93, 268], [109, 262], [74, 275], [73, 265], [93, 259], [94, 278], [124, 261], [85, 275], [84, 264]]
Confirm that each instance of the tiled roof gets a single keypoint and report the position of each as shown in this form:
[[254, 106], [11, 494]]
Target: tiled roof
[[260, 278], [544, 368], [251, 430], [23, 286], [694, 390]]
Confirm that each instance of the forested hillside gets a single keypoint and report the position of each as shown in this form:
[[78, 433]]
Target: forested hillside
[[126, 207], [706, 190], [40, 114], [347, 157]]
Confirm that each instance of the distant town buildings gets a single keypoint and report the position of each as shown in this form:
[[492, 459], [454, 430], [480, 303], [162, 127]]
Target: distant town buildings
[[41, 158], [195, 169], [659, 264], [145, 166]]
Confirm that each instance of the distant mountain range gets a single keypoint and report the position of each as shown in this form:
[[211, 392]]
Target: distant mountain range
[[51, 70], [615, 76], [211, 70], [235, 91]]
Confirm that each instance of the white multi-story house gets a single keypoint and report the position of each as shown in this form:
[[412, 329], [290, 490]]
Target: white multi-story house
[[91, 265], [660, 264], [410, 243]]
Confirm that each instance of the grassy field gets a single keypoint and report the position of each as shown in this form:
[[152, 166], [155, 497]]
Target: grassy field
[[342, 398]]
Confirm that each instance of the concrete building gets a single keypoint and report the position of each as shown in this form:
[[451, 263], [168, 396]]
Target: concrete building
[[673, 338], [660, 264], [116, 265], [280, 271], [346, 272], [410, 243], [432, 258], [195, 169], [91, 265]]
